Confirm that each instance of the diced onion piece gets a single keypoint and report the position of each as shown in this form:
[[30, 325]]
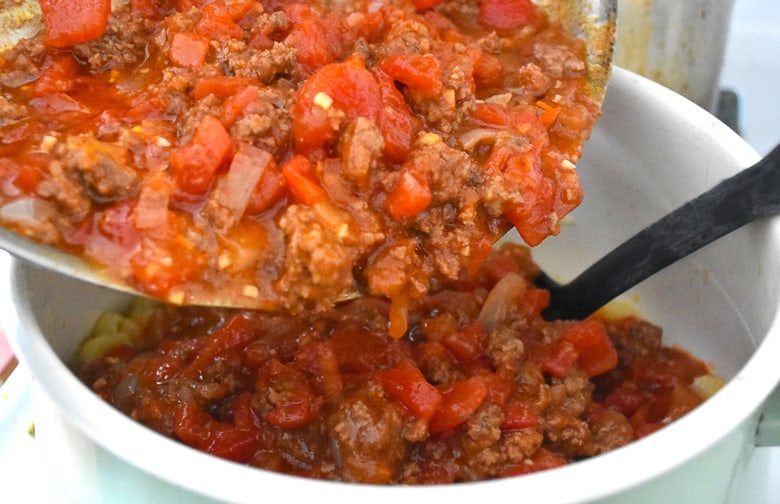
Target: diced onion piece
[[705, 386], [471, 138], [27, 211], [502, 299], [236, 187], [152, 208]]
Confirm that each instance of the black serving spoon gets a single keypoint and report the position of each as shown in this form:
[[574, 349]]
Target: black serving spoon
[[750, 194]]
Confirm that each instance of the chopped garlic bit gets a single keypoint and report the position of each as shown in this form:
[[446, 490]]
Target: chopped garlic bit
[[251, 291], [176, 296], [428, 138], [166, 261], [162, 142], [567, 164], [323, 101], [223, 261], [48, 142], [343, 230]]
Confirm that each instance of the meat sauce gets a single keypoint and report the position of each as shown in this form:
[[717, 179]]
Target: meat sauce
[[279, 154], [480, 386]]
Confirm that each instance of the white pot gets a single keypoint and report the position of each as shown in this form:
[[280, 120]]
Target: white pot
[[651, 151]]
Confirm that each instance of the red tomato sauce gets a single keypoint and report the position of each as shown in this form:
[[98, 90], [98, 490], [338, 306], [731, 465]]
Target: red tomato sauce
[[279, 154], [479, 387]]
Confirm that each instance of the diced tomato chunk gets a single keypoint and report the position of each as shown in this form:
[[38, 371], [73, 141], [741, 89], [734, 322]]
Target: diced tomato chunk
[[199, 430], [237, 9], [519, 415], [534, 301], [488, 69], [468, 343], [188, 49], [409, 197], [271, 188], [70, 22], [235, 104], [159, 267], [395, 120], [295, 403], [507, 14], [302, 181], [541, 460], [421, 73], [626, 399], [534, 217], [408, 385], [58, 77], [17, 179], [244, 416], [309, 36], [222, 86], [459, 401], [596, 353], [346, 88], [425, 4], [216, 23], [233, 335], [146, 8], [196, 163], [555, 359]]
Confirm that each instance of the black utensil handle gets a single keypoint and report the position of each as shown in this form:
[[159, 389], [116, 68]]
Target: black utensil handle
[[738, 200]]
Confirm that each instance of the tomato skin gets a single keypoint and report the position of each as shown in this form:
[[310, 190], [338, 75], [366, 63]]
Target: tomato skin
[[70, 22]]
